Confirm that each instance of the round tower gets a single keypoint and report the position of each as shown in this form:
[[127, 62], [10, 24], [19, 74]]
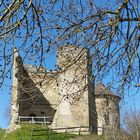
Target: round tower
[[107, 108]]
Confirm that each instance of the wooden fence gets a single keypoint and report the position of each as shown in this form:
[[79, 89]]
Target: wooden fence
[[35, 120], [66, 130], [48, 120]]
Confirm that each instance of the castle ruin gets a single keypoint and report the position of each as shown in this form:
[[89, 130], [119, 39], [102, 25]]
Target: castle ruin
[[66, 96]]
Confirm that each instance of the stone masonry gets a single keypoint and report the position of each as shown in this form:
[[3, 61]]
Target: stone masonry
[[68, 94]]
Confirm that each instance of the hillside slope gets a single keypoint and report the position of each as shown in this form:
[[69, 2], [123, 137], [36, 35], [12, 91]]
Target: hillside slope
[[24, 133]]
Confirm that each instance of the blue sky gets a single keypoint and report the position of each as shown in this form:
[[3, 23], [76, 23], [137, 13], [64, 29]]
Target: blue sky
[[5, 101]]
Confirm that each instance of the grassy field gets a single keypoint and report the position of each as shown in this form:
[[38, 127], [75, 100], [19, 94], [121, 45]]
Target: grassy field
[[2, 132], [25, 131]]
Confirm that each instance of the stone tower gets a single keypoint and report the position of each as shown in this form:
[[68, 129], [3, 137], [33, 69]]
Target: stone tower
[[107, 107], [73, 109]]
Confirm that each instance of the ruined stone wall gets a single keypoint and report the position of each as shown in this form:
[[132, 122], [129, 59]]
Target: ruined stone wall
[[39, 93], [107, 107], [114, 114], [67, 94], [73, 109], [17, 70], [100, 108], [35, 91]]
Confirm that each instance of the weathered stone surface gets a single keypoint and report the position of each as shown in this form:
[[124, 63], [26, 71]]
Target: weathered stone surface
[[15, 104], [73, 88], [67, 95], [107, 107]]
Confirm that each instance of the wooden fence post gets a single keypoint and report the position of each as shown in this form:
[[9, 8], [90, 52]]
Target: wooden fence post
[[31, 133], [49, 132], [66, 131], [18, 119], [80, 130], [91, 129], [44, 120], [32, 119]]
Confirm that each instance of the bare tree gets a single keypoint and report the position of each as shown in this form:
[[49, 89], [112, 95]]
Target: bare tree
[[132, 123], [109, 30]]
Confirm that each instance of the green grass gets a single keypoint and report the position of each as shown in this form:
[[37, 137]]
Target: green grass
[[2, 132], [89, 137], [25, 131]]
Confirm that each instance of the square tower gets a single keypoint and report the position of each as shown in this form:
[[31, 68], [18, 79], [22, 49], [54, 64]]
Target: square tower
[[73, 108]]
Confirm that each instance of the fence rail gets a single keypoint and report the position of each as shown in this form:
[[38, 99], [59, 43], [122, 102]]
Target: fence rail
[[48, 120], [66, 130], [35, 120]]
